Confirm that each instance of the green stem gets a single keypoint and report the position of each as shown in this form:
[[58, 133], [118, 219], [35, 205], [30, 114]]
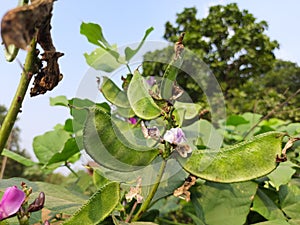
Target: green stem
[[128, 68], [153, 190], [72, 171], [16, 104]]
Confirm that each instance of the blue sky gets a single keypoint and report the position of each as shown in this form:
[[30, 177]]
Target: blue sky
[[123, 22]]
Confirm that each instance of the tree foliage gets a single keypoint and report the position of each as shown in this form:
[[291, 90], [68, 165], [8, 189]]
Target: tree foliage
[[235, 47], [278, 89], [231, 41]]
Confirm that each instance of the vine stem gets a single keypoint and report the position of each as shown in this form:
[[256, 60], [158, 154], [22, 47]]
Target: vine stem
[[153, 190], [16, 104]]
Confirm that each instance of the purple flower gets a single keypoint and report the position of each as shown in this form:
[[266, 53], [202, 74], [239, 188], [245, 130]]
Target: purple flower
[[132, 120], [151, 81], [11, 202], [174, 136]]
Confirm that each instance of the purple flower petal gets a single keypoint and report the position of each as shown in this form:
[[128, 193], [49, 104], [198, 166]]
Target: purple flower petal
[[11, 202], [174, 136], [151, 81], [132, 120]]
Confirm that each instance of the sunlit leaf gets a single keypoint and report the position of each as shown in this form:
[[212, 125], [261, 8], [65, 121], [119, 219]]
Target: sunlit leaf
[[18, 158], [59, 100], [94, 34], [129, 53], [282, 174], [50, 143], [100, 59]]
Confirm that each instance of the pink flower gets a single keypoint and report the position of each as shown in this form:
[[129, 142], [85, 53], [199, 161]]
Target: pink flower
[[132, 120], [11, 202]]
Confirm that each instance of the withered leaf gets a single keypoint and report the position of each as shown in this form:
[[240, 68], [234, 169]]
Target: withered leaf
[[49, 76], [20, 25]]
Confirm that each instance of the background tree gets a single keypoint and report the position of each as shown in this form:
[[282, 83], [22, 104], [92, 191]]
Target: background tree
[[239, 53], [279, 87], [10, 167]]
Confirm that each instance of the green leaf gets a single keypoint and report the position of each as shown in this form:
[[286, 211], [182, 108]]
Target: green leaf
[[129, 53], [235, 120], [266, 207], [282, 174], [100, 59], [50, 143], [18, 158], [226, 204], [70, 149], [80, 112], [107, 145], [273, 222], [253, 119], [191, 109], [93, 33], [59, 100], [124, 112], [140, 100], [204, 130], [289, 198], [98, 207], [113, 93], [240, 162]]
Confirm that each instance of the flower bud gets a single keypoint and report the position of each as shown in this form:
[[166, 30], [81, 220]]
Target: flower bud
[[38, 203]]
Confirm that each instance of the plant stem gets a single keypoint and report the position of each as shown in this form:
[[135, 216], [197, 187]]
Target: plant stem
[[153, 190], [16, 104], [72, 171]]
